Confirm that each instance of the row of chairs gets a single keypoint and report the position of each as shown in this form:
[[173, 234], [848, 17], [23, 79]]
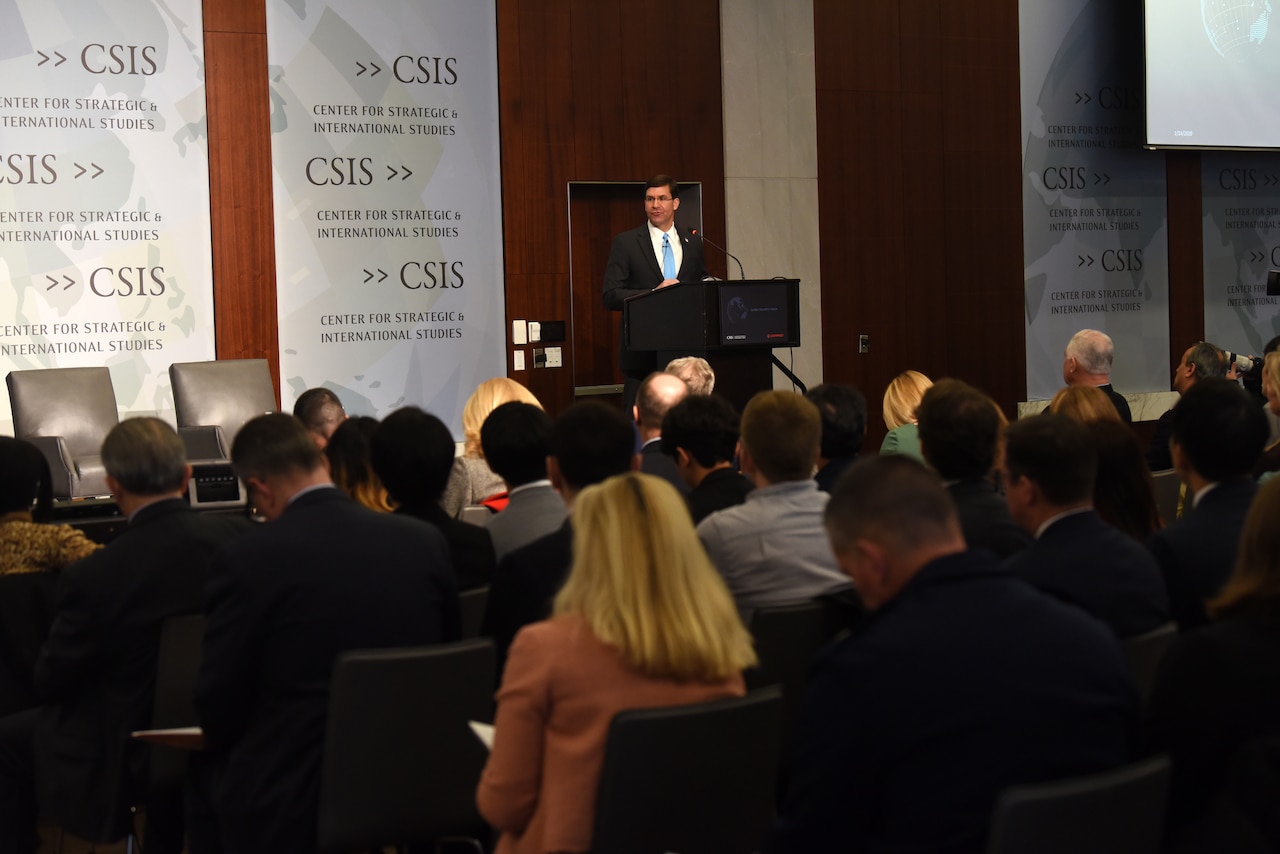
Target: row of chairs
[[67, 412]]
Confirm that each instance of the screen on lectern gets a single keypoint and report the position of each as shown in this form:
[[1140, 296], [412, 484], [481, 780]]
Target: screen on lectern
[[761, 312]]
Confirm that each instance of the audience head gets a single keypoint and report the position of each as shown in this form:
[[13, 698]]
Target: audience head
[[657, 394], [24, 479], [1085, 404], [412, 453], [1087, 359], [844, 419], [696, 373], [320, 412], [1200, 361], [1216, 431], [1271, 382], [589, 443], [643, 582], [488, 396], [1254, 584], [1123, 494], [902, 397], [887, 518], [349, 462], [781, 432], [959, 430], [145, 457], [516, 439], [276, 457], [701, 433], [1050, 465]]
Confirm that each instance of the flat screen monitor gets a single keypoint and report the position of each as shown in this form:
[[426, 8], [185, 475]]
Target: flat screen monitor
[[763, 313]]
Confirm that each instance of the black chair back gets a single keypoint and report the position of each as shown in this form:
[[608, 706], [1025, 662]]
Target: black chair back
[[1118, 812], [1144, 653], [472, 604], [694, 779], [401, 764]]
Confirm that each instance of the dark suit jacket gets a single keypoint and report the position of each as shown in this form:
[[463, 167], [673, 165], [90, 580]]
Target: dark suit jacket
[[1159, 458], [719, 489], [632, 270], [1197, 553], [524, 585], [97, 670], [285, 601], [470, 546], [1117, 399], [967, 682], [985, 519], [1082, 560], [830, 473], [658, 464]]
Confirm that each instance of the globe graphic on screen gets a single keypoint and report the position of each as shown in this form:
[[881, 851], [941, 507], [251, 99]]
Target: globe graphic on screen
[[1236, 28], [736, 311]]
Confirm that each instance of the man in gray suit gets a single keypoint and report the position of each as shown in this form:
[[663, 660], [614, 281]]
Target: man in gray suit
[[516, 439]]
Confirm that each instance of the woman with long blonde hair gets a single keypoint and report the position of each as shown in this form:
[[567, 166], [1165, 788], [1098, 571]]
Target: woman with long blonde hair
[[472, 481], [901, 400], [643, 620]]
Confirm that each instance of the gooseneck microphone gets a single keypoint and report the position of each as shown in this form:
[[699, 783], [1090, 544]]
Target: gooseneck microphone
[[741, 273]]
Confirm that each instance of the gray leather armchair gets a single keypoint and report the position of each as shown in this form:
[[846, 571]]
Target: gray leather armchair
[[66, 413], [214, 399]]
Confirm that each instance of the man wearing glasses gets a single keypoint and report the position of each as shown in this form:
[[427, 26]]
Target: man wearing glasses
[[655, 255]]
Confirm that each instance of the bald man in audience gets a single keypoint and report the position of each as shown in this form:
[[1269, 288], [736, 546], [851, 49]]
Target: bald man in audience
[[1087, 361], [320, 412], [961, 682], [658, 393]]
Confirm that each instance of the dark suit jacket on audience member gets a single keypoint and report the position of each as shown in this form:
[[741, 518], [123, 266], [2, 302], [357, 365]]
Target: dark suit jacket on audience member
[[326, 577], [721, 488], [1197, 553], [470, 546], [658, 464], [524, 585], [830, 473], [985, 519], [1082, 560], [1159, 457], [97, 670], [969, 681]]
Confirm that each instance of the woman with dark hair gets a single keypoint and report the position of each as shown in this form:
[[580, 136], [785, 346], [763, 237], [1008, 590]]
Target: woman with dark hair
[[26, 543], [348, 453], [1124, 494]]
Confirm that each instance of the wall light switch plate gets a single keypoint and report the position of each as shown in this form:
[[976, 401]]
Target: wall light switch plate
[[519, 332], [554, 357], [518, 360], [535, 331]]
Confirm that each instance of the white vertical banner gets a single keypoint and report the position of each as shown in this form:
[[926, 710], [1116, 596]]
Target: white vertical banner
[[105, 256], [387, 201], [1094, 213]]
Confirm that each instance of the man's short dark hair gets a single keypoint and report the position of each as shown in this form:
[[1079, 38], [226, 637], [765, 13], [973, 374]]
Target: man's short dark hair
[[26, 478], [844, 419], [272, 445], [516, 439], [1220, 428], [706, 426], [314, 408], [1056, 453], [146, 456], [959, 430], [664, 181], [1209, 360], [591, 443], [892, 498], [412, 453]]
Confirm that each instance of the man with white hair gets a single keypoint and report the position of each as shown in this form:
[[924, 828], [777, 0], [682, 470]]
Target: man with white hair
[[1087, 361]]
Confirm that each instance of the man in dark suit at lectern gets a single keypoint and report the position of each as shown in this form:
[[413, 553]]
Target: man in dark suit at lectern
[[653, 256]]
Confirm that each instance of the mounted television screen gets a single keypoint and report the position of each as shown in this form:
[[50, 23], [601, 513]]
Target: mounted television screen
[[1212, 72], [755, 313]]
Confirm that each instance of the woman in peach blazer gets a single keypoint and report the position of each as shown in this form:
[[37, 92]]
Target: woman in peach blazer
[[643, 620]]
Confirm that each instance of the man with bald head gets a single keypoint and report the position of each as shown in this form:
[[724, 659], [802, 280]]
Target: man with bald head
[[1087, 361], [658, 393]]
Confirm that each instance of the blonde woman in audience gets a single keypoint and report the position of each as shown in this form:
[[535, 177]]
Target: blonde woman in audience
[[348, 453], [901, 399], [643, 620], [696, 373], [1269, 462], [1085, 404], [471, 480], [28, 545]]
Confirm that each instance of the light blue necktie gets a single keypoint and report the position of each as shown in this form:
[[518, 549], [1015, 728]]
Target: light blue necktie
[[668, 259]]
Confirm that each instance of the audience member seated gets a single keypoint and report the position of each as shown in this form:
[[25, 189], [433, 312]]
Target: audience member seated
[[1199, 361], [1269, 462], [516, 439], [901, 399], [27, 544], [642, 621], [472, 481], [348, 453], [959, 437], [1050, 468], [1216, 435], [1087, 361], [701, 434], [1085, 404], [770, 550], [322, 577], [320, 412], [412, 454], [844, 425], [696, 373], [654, 399], [961, 682], [589, 443], [73, 757], [1124, 493], [1218, 688]]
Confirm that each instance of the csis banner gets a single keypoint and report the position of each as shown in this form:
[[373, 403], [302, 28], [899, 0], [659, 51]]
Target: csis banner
[[387, 201], [104, 193]]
